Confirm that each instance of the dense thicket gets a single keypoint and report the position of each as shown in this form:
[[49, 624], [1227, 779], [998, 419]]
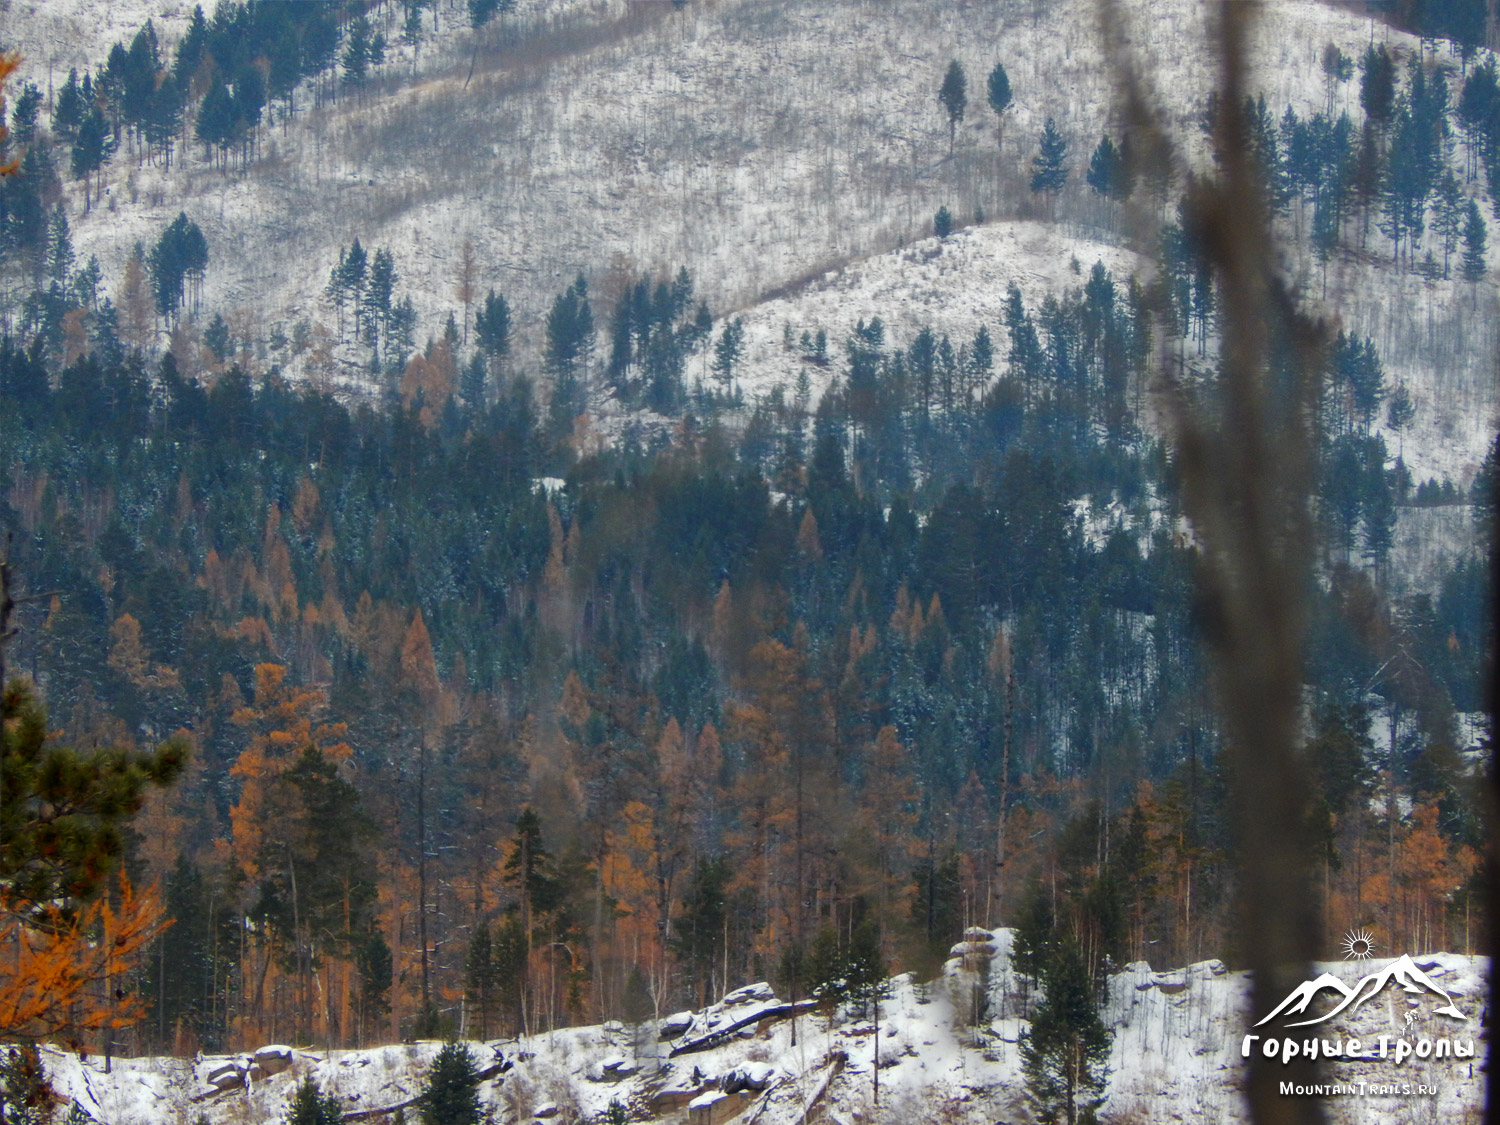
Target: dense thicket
[[804, 666], [497, 725]]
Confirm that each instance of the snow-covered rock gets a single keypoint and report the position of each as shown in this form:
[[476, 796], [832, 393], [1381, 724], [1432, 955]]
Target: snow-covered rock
[[754, 1076], [1175, 1055], [228, 1075], [760, 992], [273, 1059]]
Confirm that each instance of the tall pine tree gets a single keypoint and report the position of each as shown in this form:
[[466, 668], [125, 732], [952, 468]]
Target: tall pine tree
[[954, 95]]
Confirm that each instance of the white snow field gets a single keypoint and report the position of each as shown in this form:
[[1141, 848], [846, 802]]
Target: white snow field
[[1176, 1055], [793, 148]]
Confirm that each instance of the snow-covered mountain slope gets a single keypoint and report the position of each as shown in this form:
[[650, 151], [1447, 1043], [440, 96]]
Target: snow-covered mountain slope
[[951, 285], [1176, 1054], [761, 145], [55, 35]]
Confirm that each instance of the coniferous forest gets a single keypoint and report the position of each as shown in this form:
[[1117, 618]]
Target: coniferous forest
[[478, 717]]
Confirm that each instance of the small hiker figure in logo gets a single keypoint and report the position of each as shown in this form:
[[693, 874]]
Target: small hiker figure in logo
[[1411, 1023]]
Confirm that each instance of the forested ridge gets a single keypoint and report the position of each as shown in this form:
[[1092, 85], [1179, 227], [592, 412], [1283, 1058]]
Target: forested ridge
[[722, 678], [498, 724]]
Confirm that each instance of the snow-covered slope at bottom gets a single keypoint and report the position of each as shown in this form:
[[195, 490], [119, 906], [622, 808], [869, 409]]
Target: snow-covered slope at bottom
[[1176, 1055]]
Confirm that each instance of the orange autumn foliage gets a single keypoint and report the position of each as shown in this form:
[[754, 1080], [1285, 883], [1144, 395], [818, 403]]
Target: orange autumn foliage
[[55, 977], [285, 720], [8, 65]]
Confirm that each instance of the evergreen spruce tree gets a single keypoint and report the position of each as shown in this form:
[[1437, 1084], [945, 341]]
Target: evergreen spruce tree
[[1400, 411], [310, 1107], [636, 1005], [728, 350], [376, 301], [954, 95], [474, 383], [190, 49], [1448, 215], [570, 329], [479, 979], [1477, 106], [137, 79], [86, 284], [1034, 941], [401, 332], [215, 125], [411, 22], [999, 97], [826, 971], [452, 1095], [1406, 185], [372, 957], [164, 117], [1025, 345], [510, 965], [1107, 174], [492, 326], [1474, 244], [349, 279], [942, 222], [1064, 1052], [981, 361], [59, 248], [69, 108], [1378, 511], [1049, 169], [482, 11], [791, 971], [216, 337], [703, 324], [320, 39], [1337, 67], [356, 59], [23, 118], [179, 255], [285, 71], [249, 103], [864, 967], [528, 869], [1377, 84], [91, 151], [179, 979]]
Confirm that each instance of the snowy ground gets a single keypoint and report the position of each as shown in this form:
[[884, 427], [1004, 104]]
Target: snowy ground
[[794, 147], [1176, 1056], [952, 285]]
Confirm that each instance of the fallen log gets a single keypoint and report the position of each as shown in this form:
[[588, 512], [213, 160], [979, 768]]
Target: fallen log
[[724, 1034], [836, 1063]]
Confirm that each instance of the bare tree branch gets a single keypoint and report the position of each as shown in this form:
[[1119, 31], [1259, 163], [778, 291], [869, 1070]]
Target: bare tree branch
[[1243, 449]]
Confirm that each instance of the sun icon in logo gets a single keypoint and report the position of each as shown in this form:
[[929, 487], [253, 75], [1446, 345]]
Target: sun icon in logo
[[1358, 945]]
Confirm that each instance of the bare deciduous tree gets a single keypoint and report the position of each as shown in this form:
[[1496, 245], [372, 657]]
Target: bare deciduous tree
[[1243, 450], [465, 280]]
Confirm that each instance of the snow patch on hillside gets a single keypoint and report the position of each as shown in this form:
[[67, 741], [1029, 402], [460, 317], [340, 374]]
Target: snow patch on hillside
[[951, 285]]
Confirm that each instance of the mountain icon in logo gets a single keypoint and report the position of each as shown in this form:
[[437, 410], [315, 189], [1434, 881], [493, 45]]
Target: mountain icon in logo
[[1403, 971]]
